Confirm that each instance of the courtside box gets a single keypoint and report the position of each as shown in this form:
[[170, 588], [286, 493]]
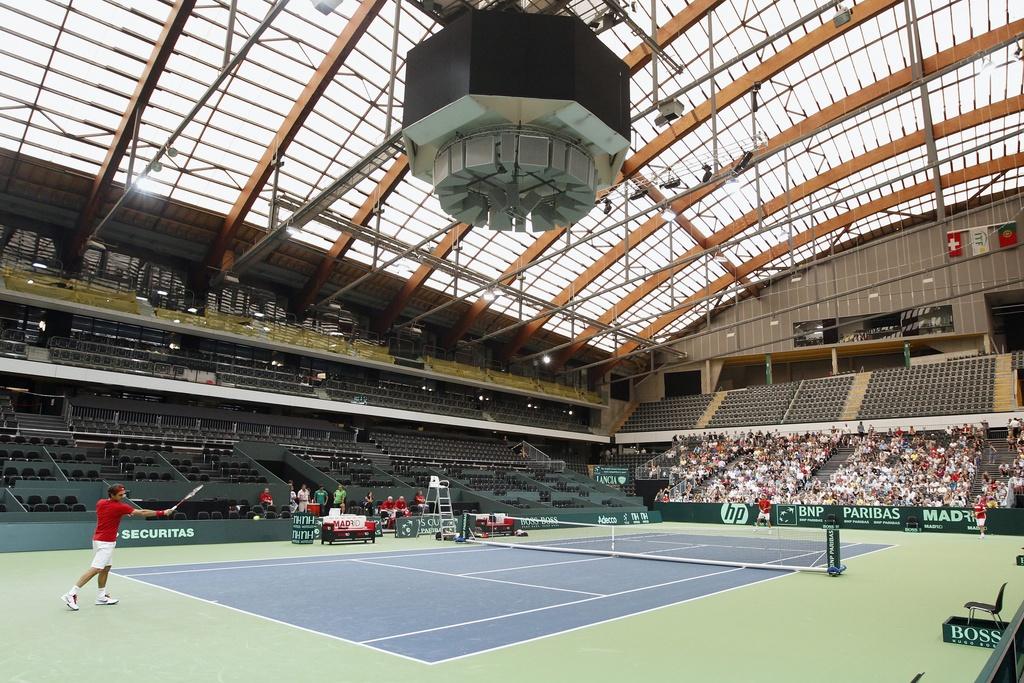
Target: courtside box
[[976, 632]]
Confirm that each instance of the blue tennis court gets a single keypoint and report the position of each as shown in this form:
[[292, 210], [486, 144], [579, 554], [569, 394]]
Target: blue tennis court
[[437, 605]]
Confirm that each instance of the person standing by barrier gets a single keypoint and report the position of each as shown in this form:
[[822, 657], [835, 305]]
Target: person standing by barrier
[[764, 514], [339, 498], [109, 513], [980, 513], [302, 498], [320, 498]]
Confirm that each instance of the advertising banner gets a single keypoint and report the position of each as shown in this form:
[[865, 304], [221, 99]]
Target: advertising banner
[[611, 476], [871, 517], [305, 528]]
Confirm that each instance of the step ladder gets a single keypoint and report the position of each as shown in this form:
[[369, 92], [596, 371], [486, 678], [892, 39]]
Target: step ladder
[[440, 496]]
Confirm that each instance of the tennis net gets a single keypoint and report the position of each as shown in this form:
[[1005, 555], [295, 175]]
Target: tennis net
[[790, 548]]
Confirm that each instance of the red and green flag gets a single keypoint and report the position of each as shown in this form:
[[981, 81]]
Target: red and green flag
[[1007, 235]]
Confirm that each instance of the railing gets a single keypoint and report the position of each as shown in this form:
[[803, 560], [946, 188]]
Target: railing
[[658, 467]]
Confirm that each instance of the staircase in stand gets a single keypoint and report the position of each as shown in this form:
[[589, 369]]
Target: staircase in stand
[[855, 398], [43, 426], [834, 463], [711, 409], [1002, 395], [990, 462], [626, 413]]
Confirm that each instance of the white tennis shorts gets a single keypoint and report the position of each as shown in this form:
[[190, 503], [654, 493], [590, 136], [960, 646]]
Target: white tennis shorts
[[104, 553], [766, 516]]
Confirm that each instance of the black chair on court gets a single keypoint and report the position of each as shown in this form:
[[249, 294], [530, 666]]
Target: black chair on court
[[994, 609]]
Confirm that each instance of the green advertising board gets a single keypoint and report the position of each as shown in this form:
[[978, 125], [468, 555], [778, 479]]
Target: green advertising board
[[610, 518], [872, 517], [305, 528], [976, 632], [611, 476], [411, 527]]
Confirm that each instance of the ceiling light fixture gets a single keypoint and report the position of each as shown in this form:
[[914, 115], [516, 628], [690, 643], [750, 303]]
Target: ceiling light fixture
[[161, 292], [797, 278], [742, 165], [671, 184], [668, 214], [640, 193], [546, 359]]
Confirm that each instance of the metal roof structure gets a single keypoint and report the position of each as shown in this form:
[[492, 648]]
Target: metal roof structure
[[803, 129]]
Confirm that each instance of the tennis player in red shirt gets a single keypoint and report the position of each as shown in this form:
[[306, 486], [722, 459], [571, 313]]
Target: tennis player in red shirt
[[980, 509], [765, 512], [108, 518]]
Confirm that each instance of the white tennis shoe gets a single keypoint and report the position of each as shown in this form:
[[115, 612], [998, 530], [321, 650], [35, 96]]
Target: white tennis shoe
[[71, 601], [106, 600]]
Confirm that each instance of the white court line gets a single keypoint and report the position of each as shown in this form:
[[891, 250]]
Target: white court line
[[277, 564], [542, 609], [278, 621], [479, 578], [607, 621], [474, 653], [388, 553], [534, 566]]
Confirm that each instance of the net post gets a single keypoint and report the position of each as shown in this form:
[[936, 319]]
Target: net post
[[832, 552], [465, 527]]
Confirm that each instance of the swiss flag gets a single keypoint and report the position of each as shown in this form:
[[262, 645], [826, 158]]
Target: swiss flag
[[955, 243]]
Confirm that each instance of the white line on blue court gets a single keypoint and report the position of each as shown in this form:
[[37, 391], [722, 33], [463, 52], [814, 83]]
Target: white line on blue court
[[231, 567], [534, 566], [478, 578], [549, 607]]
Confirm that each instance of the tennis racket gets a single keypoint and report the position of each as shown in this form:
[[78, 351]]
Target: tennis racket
[[189, 495]]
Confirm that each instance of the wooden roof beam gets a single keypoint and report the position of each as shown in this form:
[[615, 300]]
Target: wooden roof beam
[[75, 245], [290, 126]]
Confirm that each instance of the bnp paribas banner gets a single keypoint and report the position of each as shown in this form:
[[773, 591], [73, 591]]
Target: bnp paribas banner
[[874, 517]]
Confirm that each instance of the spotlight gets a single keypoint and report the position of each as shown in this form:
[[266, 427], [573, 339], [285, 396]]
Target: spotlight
[[742, 165], [707, 173], [668, 111], [843, 16], [987, 66], [325, 7], [546, 359], [671, 184], [639, 194], [39, 265], [607, 206], [161, 292], [668, 214]]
